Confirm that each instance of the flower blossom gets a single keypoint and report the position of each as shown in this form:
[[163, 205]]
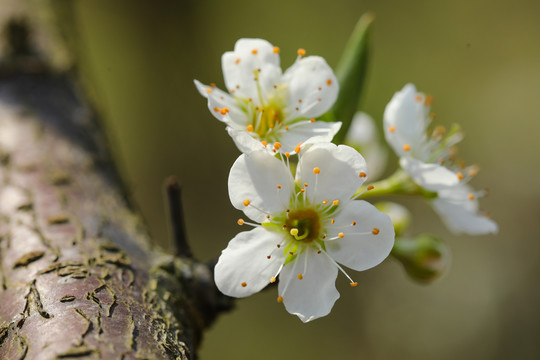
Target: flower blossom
[[429, 161], [303, 227], [266, 108]]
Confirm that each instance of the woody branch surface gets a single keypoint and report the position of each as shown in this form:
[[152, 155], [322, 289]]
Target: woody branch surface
[[78, 275]]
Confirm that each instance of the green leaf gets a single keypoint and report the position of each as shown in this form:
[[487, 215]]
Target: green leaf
[[351, 73]]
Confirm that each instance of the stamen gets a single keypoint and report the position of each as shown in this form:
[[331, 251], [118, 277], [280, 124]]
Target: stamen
[[277, 145], [362, 174], [208, 90], [324, 202], [249, 128], [254, 51], [272, 279], [305, 184], [216, 109], [341, 235], [353, 223], [370, 187], [392, 128], [354, 284], [312, 120], [406, 147], [470, 197], [275, 50], [375, 231], [247, 202], [329, 82], [316, 170], [340, 268], [240, 222], [429, 100], [280, 299], [298, 148], [332, 221], [237, 61], [264, 143], [459, 176], [224, 111], [279, 186], [335, 202], [300, 276], [243, 284], [301, 52], [418, 98]]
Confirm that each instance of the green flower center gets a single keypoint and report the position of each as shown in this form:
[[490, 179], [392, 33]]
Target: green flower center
[[304, 225], [270, 116]]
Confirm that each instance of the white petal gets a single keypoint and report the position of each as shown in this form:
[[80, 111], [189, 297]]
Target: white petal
[[255, 177], [432, 177], [313, 87], [217, 100], [406, 120], [360, 248], [314, 295], [244, 141], [340, 168], [308, 133], [239, 68], [460, 214], [245, 262]]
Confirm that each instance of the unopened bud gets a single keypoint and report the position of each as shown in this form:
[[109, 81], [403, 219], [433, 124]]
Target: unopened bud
[[424, 257]]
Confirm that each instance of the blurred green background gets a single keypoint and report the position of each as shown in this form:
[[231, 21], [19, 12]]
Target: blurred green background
[[480, 60]]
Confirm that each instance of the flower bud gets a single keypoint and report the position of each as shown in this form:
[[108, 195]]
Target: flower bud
[[400, 215], [424, 257]]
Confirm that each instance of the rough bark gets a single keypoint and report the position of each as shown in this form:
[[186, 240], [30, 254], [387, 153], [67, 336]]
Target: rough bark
[[78, 275]]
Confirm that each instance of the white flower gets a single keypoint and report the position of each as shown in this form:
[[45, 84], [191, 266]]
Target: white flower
[[265, 106], [309, 224], [364, 137], [429, 161], [458, 208]]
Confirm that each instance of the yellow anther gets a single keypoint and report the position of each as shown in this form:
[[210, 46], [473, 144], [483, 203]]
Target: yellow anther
[[216, 109], [318, 252], [237, 61], [353, 223], [429, 100], [264, 143], [316, 170], [470, 196], [300, 276], [243, 284], [249, 128], [473, 172], [224, 111], [277, 145], [298, 148], [312, 120], [268, 216], [208, 90], [301, 52], [370, 187], [362, 174], [279, 186], [406, 147], [375, 231], [268, 257], [335, 202], [332, 221], [280, 299], [254, 51], [305, 184], [299, 101], [324, 202], [459, 176], [212, 85], [294, 231], [275, 50], [354, 284], [341, 235], [329, 82], [240, 222], [287, 155], [247, 202], [418, 98], [392, 128], [302, 190], [272, 279]]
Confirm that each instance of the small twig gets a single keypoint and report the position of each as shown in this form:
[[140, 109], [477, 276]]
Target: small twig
[[176, 218]]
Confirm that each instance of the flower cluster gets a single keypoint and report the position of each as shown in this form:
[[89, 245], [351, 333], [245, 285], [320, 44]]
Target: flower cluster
[[300, 192]]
